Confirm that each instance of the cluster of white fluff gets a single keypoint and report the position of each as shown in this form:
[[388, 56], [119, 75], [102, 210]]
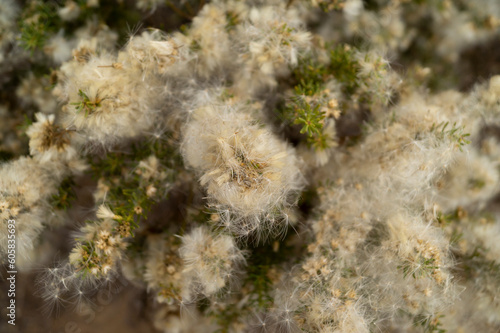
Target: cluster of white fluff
[[26, 186], [397, 229], [213, 51], [251, 176], [375, 78], [100, 245], [33, 92], [25, 189], [381, 244], [62, 286], [99, 106], [253, 45], [163, 269], [60, 49], [393, 27], [104, 100], [273, 41], [49, 141], [152, 53], [199, 265], [210, 262]]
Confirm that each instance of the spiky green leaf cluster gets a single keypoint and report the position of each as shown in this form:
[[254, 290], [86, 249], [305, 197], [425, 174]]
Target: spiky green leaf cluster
[[38, 22], [86, 104], [455, 133]]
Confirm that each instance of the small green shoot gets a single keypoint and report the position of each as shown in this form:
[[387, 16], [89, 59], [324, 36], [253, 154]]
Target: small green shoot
[[423, 267], [86, 104], [455, 133]]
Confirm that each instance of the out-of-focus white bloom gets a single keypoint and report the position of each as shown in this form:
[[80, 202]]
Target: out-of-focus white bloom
[[374, 76], [33, 90], [471, 179], [59, 48], [96, 36], [270, 40], [353, 8], [208, 39], [26, 185], [92, 3], [149, 4], [70, 11], [209, 261], [153, 52], [150, 168], [163, 268], [482, 105]]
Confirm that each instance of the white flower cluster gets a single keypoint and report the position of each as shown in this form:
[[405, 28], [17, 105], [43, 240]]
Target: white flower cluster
[[210, 261], [393, 27], [272, 166], [103, 99], [183, 270], [49, 141], [381, 244], [28, 184], [273, 41], [26, 187], [257, 44]]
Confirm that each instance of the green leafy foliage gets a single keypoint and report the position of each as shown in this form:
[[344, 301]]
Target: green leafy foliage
[[444, 219], [38, 21], [86, 104], [27, 122], [307, 113], [65, 194], [341, 66], [232, 20], [421, 268], [429, 323], [310, 118], [455, 133], [128, 197], [308, 99], [344, 67], [311, 70], [127, 192]]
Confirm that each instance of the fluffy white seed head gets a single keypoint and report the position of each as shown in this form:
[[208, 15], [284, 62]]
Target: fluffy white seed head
[[210, 261], [25, 188], [49, 141], [246, 170]]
